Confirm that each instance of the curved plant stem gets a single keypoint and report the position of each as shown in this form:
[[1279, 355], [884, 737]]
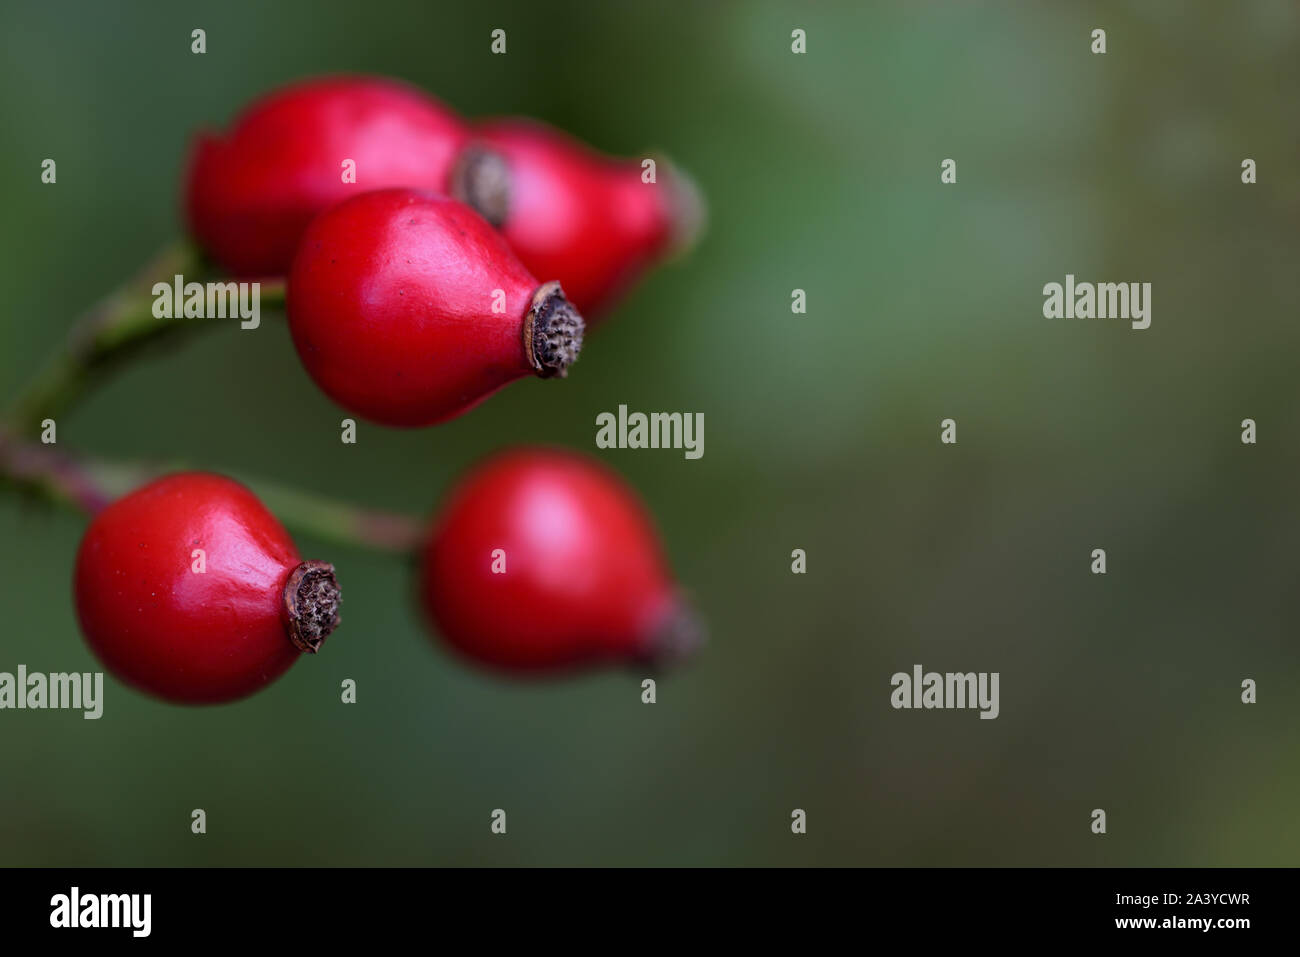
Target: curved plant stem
[[338, 522], [88, 485], [112, 331]]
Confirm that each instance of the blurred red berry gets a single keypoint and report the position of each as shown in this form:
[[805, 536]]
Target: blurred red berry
[[587, 219], [252, 191], [543, 559]]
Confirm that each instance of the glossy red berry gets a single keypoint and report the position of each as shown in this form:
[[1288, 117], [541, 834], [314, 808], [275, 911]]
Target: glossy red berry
[[543, 560], [252, 191], [189, 589], [584, 218], [408, 309]]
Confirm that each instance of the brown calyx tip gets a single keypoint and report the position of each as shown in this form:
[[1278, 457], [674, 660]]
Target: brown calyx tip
[[681, 633], [553, 332], [311, 605], [481, 178]]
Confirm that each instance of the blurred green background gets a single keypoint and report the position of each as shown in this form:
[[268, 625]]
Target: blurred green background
[[822, 433]]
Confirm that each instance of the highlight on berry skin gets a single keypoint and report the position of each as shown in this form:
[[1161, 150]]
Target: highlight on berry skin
[[189, 589], [543, 560]]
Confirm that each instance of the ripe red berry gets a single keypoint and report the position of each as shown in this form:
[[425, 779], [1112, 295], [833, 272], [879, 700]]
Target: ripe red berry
[[584, 218], [408, 309], [189, 589], [542, 559], [252, 192]]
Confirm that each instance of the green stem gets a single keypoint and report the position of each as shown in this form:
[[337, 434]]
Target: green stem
[[338, 522], [110, 333], [88, 485], [113, 331]]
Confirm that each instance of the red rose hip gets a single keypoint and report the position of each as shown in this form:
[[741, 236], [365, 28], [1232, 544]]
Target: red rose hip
[[581, 217], [407, 308], [544, 560], [189, 589], [251, 192]]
